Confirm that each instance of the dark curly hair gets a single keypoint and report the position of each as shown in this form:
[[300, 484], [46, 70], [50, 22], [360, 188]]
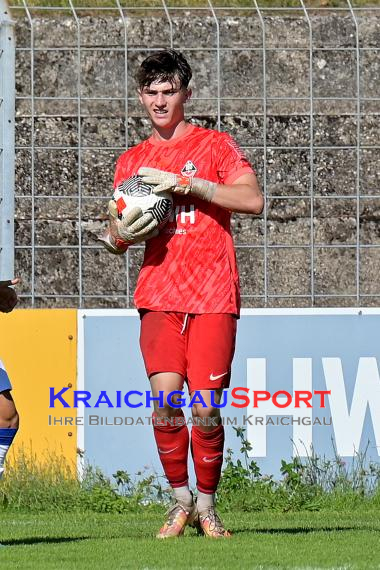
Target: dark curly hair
[[164, 65]]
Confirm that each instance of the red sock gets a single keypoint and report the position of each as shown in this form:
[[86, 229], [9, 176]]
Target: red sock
[[173, 447], [207, 452]]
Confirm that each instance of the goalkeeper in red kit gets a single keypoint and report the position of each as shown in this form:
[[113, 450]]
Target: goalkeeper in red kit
[[187, 292]]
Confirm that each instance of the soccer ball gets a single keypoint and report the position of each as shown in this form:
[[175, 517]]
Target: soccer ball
[[134, 192]]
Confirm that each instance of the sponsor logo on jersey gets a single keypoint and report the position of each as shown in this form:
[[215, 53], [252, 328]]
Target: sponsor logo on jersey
[[184, 214], [189, 169], [175, 231]]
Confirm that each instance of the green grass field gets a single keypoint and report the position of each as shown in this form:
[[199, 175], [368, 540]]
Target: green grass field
[[264, 540]]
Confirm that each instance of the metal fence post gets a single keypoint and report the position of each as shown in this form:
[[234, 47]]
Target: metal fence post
[[358, 148], [7, 141]]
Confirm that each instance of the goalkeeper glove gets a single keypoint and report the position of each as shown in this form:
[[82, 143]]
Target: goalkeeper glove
[[169, 182], [135, 227]]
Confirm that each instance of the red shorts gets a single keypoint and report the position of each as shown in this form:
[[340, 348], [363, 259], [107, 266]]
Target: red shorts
[[198, 347]]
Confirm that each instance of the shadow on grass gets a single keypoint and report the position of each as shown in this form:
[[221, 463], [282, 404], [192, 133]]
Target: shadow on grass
[[300, 530], [42, 540]]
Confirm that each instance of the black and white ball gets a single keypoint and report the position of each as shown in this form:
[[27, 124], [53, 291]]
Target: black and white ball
[[134, 192]]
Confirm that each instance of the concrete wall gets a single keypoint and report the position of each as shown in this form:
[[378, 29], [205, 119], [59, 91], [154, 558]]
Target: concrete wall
[[100, 73]]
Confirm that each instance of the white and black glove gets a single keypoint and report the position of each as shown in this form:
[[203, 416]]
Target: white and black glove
[[135, 227], [170, 182]]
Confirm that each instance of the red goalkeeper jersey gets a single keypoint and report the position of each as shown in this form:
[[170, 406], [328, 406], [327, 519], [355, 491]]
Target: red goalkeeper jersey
[[190, 266]]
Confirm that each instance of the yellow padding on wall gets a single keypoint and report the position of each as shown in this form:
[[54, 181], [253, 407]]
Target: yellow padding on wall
[[39, 349]]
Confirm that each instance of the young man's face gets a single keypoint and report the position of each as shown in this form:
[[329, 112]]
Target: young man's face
[[164, 102]]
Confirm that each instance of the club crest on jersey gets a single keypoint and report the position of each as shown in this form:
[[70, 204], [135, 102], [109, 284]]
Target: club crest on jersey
[[189, 169]]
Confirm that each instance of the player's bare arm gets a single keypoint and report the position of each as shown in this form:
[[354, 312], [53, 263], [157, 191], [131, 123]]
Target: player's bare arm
[[243, 196]]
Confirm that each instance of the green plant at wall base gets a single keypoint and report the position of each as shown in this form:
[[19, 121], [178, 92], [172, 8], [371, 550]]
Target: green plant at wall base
[[50, 483], [38, 483], [310, 483]]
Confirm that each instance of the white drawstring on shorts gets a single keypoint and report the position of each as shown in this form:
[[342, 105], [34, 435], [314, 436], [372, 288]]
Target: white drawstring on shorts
[[184, 323]]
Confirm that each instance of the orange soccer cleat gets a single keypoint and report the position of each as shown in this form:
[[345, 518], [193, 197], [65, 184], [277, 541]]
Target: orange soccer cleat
[[177, 518], [210, 524]]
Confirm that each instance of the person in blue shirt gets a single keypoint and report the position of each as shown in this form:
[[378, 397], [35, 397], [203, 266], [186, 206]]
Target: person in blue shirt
[[9, 419]]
